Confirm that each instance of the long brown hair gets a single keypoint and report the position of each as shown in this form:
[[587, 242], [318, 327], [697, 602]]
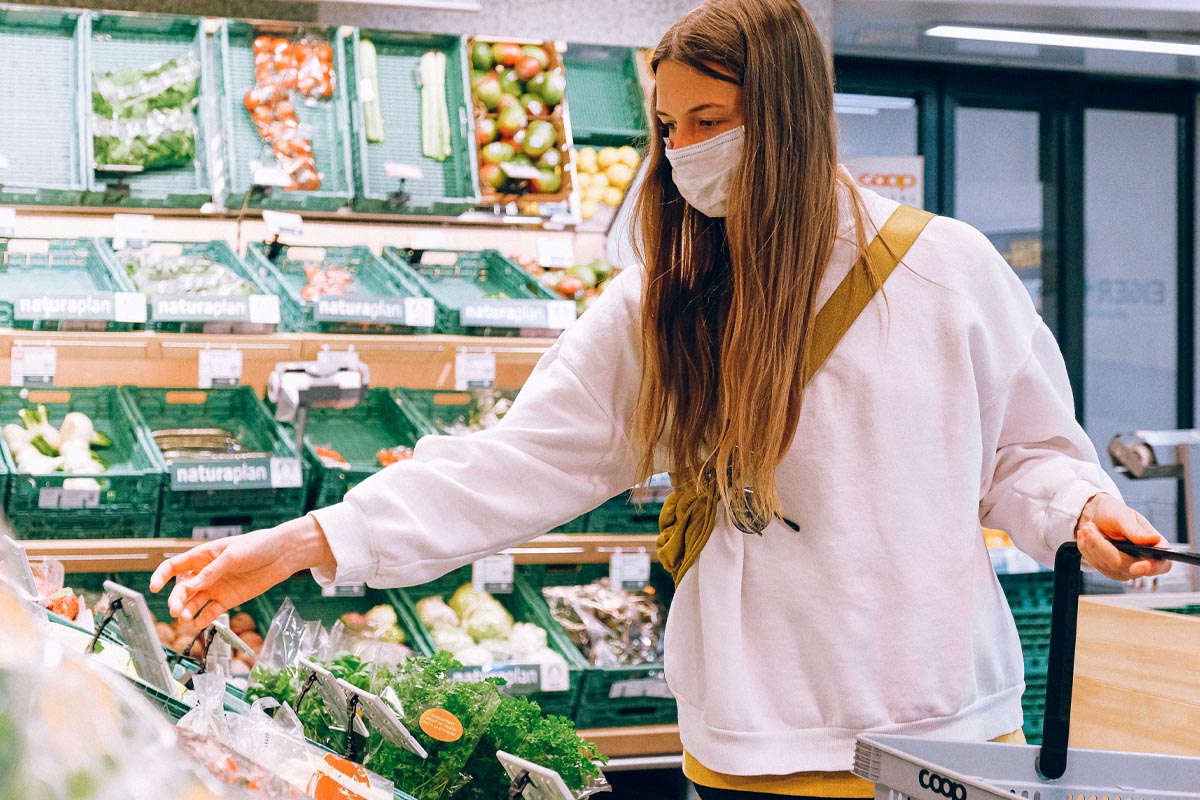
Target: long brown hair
[[729, 304]]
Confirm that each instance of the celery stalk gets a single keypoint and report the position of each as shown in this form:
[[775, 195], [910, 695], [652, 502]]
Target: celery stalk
[[368, 70]]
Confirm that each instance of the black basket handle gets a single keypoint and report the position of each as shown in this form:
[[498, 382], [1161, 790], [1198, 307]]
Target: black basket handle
[[1068, 583]]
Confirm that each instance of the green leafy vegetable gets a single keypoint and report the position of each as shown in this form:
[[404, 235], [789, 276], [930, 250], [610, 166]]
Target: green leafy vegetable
[[146, 118]]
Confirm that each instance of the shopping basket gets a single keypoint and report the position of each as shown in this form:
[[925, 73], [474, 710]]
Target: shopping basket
[[926, 769]]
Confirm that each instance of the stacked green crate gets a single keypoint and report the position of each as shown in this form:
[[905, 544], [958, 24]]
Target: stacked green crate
[[43, 98], [482, 293], [1030, 597], [522, 678], [438, 412], [610, 696], [634, 511], [201, 312], [608, 106], [447, 187], [379, 299], [357, 434], [63, 284], [139, 42], [123, 501], [224, 495], [326, 121]]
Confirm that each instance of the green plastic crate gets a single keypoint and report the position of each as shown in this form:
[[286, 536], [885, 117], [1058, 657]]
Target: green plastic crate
[[608, 106], [445, 188], [520, 605], [306, 595], [634, 511], [377, 283], [427, 408], [121, 41], [460, 279], [128, 499], [210, 524], [328, 123], [73, 272], [43, 98], [1190, 610], [238, 410], [357, 433], [610, 696], [199, 321]]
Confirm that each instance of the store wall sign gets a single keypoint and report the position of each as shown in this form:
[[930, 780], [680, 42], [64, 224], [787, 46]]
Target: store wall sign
[[899, 178], [250, 473], [114, 306], [555, 314]]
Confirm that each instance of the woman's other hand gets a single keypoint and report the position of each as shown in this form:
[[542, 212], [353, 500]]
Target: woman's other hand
[[1105, 518]]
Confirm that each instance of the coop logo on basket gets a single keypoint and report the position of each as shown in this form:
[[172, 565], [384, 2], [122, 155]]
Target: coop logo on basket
[[942, 785], [225, 474]]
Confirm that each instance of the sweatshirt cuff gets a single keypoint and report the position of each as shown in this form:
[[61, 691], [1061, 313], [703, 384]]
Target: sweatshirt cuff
[[1065, 508], [348, 532]]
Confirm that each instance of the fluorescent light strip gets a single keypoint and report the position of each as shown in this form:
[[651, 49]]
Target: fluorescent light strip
[[873, 102], [1157, 47]]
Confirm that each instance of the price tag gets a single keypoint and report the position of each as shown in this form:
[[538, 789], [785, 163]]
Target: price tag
[[554, 252], [555, 677], [269, 175], [132, 231], [33, 366], [220, 368], [55, 498], [629, 570], [640, 687], [474, 371], [129, 307], [418, 312], [281, 223], [493, 574], [286, 473], [8, 222], [345, 590], [264, 309], [404, 172], [560, 314], [430, 240], [366, 91], [208, 534]]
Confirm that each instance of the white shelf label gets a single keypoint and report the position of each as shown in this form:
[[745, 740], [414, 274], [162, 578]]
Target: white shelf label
[[345, 590], [474, 371], [129, 307], [33, 366], [51, 497], [555, 252], [403, 172], [493, 574], [132, 231], [286, 473], [629, 570], [555, 677], [8, 222], [418, 312], [560, 314], [220, 368], [268, 175], [641, 687], [208, 534], [282, 223], [264, 309]]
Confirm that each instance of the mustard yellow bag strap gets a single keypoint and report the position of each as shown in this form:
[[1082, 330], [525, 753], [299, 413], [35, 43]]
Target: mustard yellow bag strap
[[855, 292]]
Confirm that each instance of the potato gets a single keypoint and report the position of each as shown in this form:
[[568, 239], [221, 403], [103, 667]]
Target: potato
[[241, 623], [253, 640]]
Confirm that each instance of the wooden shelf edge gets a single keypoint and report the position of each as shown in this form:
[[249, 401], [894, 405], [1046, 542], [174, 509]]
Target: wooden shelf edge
[[643, 740], [144, 555]]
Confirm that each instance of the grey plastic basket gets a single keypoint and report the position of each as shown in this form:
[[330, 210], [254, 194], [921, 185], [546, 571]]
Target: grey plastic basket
[[905, 767]]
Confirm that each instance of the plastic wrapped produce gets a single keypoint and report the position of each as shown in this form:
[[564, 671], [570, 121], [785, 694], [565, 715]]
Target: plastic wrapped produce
[[612, 627], [146, 118]]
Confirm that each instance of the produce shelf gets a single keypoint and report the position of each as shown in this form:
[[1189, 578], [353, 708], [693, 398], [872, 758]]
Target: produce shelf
[[144, 555]]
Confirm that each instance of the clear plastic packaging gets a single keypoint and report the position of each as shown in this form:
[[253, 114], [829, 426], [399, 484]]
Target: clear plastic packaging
[[612, 627], [146, 118]]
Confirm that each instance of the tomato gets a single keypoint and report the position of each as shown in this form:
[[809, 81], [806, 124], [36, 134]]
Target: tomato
[[571, 287], [262, 44]]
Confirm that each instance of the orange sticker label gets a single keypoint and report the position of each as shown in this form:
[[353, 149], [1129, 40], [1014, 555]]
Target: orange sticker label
[[440, 724]]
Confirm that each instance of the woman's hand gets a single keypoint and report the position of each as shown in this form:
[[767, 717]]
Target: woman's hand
[[1105, 517], [220, 575]]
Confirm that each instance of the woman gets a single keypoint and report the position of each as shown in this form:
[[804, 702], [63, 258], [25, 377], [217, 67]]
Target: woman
[[863, 453]]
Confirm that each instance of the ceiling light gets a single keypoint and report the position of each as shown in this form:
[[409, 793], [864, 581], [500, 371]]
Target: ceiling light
[[1158, 47], [870, 104]]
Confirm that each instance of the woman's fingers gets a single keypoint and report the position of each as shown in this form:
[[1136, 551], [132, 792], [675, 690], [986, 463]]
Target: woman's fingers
[[209, 614], [186, 563]]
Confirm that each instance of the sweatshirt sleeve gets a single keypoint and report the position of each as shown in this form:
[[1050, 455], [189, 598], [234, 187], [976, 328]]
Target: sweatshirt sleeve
[[1040, 467], [560, 451]]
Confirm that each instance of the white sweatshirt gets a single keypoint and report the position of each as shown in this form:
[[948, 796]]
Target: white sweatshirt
[[945, 408]]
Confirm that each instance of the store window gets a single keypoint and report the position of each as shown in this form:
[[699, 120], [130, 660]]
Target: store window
[[873, 125], [1131, 313], [998, 188]]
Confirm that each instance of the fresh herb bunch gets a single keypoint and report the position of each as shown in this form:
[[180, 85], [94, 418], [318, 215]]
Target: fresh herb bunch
[[277, 683], [519, 728], [146, 117]]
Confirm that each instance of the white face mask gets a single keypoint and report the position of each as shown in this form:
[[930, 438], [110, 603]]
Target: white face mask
[[704, 171]]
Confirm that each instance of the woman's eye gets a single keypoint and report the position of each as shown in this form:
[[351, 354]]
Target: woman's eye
[[710, 123], [669, 127]]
